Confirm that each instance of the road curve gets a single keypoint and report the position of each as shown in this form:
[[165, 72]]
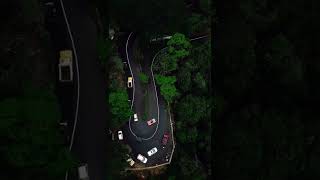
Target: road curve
[[141, 147], [133, 95]]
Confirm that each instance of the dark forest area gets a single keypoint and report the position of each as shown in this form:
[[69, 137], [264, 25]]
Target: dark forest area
[[265, 82]]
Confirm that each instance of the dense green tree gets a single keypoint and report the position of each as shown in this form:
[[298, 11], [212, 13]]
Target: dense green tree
[[201, 57], [167, 64], [169, 92], [191, 109], [29, 125], [189, 168], [119, 108], [200, 82], [162, 80], [184, 79], [104, 49], [167, 87], [118, 161], [178, 46], [186, 134]]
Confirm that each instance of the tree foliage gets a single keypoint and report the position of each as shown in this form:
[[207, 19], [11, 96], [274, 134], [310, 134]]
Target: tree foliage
[[189, 169], [28, 125], [184, 79], [191, 109], [167, 87], [167, 64], [119, 108], [178, 46]]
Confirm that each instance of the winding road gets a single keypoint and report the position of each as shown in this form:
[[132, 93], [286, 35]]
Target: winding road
[[138, 135]]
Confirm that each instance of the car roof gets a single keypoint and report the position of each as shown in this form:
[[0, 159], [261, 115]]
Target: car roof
[[83, 171]]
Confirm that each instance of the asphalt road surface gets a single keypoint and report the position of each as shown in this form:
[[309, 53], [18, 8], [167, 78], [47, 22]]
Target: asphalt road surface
[[140, 128], [90, 138]]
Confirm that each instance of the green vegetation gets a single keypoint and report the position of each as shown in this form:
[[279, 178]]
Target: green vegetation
[[119, 108], [267, 86], [118, 162], [178, 46], [144, 79], [182, 73], [28, 124], [104, 48], [167, 87], [32, 145]]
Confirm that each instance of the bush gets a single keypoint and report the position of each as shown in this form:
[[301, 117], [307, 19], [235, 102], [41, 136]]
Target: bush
[[120, 108]]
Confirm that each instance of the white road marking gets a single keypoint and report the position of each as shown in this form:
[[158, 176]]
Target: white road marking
[[134, 91], [78, 81], [153, 84], [132, 83]]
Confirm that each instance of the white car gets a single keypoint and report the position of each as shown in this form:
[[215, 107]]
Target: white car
[[130, 82], [131, 162], [135, 117], [151, 121], [120, 135], [142, 158], [152, 151], [83, 172]]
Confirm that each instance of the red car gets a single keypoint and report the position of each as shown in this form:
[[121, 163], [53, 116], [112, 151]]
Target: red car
[[165, 138]]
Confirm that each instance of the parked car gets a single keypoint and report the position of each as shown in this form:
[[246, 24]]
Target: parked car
[[165, 138], [65, 66], [152, 151], [135, 117], [130, 79], [151, 121], [120, 135], [142, 158], [83, 172], [131, 162]]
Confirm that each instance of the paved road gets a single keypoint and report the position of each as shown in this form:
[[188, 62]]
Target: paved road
[[90, 133], [145, 97], [141, 128]]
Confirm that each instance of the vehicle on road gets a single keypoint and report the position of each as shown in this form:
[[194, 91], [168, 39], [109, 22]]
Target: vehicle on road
[[151, 121], [142, 158], [65, 66], [152, 151], [83, 172], [130, 82], [135, 117], [165, 138], [120, 135], [131, 162]]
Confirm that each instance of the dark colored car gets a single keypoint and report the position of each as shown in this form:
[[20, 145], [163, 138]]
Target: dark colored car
[[165, 138]]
